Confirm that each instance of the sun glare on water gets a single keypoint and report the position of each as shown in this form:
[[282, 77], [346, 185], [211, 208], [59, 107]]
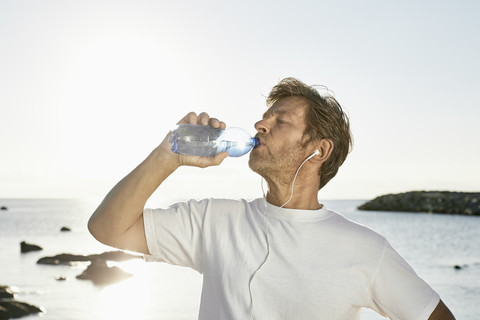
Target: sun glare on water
[[153, 288]]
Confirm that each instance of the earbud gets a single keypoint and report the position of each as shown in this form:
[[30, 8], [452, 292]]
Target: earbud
[[313, 154]]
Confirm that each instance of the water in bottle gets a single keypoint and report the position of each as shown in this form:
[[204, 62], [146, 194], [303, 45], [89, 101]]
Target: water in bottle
[[198, 140]]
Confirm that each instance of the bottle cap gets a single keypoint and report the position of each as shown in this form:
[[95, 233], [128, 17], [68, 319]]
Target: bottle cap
[[256, 142]]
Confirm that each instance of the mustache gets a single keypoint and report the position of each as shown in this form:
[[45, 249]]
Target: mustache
[[261, 137]]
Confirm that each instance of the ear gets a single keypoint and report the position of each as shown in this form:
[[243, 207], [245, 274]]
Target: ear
[[325, 148]]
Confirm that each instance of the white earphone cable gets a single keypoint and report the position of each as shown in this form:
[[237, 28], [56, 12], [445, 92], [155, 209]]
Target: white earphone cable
[[295, 178], [265, 227]]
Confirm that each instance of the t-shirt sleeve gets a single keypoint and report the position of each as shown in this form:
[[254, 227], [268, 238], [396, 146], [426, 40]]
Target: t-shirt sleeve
[[174, 235], [398, 292]]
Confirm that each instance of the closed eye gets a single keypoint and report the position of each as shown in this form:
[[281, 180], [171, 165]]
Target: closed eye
[[282, 120]]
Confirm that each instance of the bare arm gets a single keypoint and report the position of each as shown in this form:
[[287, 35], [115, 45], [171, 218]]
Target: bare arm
[[441, 312], [118, 221]]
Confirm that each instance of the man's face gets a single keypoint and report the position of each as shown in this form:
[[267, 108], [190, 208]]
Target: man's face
[[280, 133]]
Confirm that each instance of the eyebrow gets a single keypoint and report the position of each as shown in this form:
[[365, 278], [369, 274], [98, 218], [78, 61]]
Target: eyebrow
[[277, 112]]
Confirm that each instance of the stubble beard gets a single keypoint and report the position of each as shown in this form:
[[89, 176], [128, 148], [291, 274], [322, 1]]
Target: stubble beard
[[278, 166]]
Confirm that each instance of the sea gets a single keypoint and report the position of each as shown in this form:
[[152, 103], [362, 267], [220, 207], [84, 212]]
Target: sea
[[433, 244]]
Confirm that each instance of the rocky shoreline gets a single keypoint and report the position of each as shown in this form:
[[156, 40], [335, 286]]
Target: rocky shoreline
[[12, 308], [97, 271], [444, 202]]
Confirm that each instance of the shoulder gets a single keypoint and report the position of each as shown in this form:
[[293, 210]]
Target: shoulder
[[355, 234]]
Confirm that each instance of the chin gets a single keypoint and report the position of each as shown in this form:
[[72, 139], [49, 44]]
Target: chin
[[253, 161], [258, 163]]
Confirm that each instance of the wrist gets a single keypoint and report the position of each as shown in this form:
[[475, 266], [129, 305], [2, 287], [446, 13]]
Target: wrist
[[165, 158]]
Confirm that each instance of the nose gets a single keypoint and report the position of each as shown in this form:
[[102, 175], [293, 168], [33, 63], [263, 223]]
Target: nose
[[261, 126]]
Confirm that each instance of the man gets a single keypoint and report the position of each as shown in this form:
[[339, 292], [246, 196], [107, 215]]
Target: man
[[282, 257]]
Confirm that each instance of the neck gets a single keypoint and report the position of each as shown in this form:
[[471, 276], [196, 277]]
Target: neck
[[304, 195]]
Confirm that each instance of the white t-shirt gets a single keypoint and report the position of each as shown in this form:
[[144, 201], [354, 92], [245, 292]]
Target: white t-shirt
[[312, 264]]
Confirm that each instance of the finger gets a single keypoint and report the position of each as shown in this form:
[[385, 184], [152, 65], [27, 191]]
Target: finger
[[214, 122], [203, 118], [190, 118]]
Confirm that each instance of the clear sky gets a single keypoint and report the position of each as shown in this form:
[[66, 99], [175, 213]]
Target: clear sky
[[89, 88]]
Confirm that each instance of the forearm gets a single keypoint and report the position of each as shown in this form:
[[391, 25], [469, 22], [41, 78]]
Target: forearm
[[124, 204]]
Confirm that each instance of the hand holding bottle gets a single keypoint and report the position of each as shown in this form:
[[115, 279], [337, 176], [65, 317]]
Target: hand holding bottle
[[197, 161], [207, 141]]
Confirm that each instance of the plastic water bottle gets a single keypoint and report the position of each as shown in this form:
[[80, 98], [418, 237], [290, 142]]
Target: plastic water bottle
[[198, 140]]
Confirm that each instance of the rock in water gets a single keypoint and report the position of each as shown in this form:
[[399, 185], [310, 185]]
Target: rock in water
[[117, 256], [27, 247], [64, 259], [97, 271], [16, 309], [101, 274], [72, 259], [6, 293], [65, 229], [465, 203]]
